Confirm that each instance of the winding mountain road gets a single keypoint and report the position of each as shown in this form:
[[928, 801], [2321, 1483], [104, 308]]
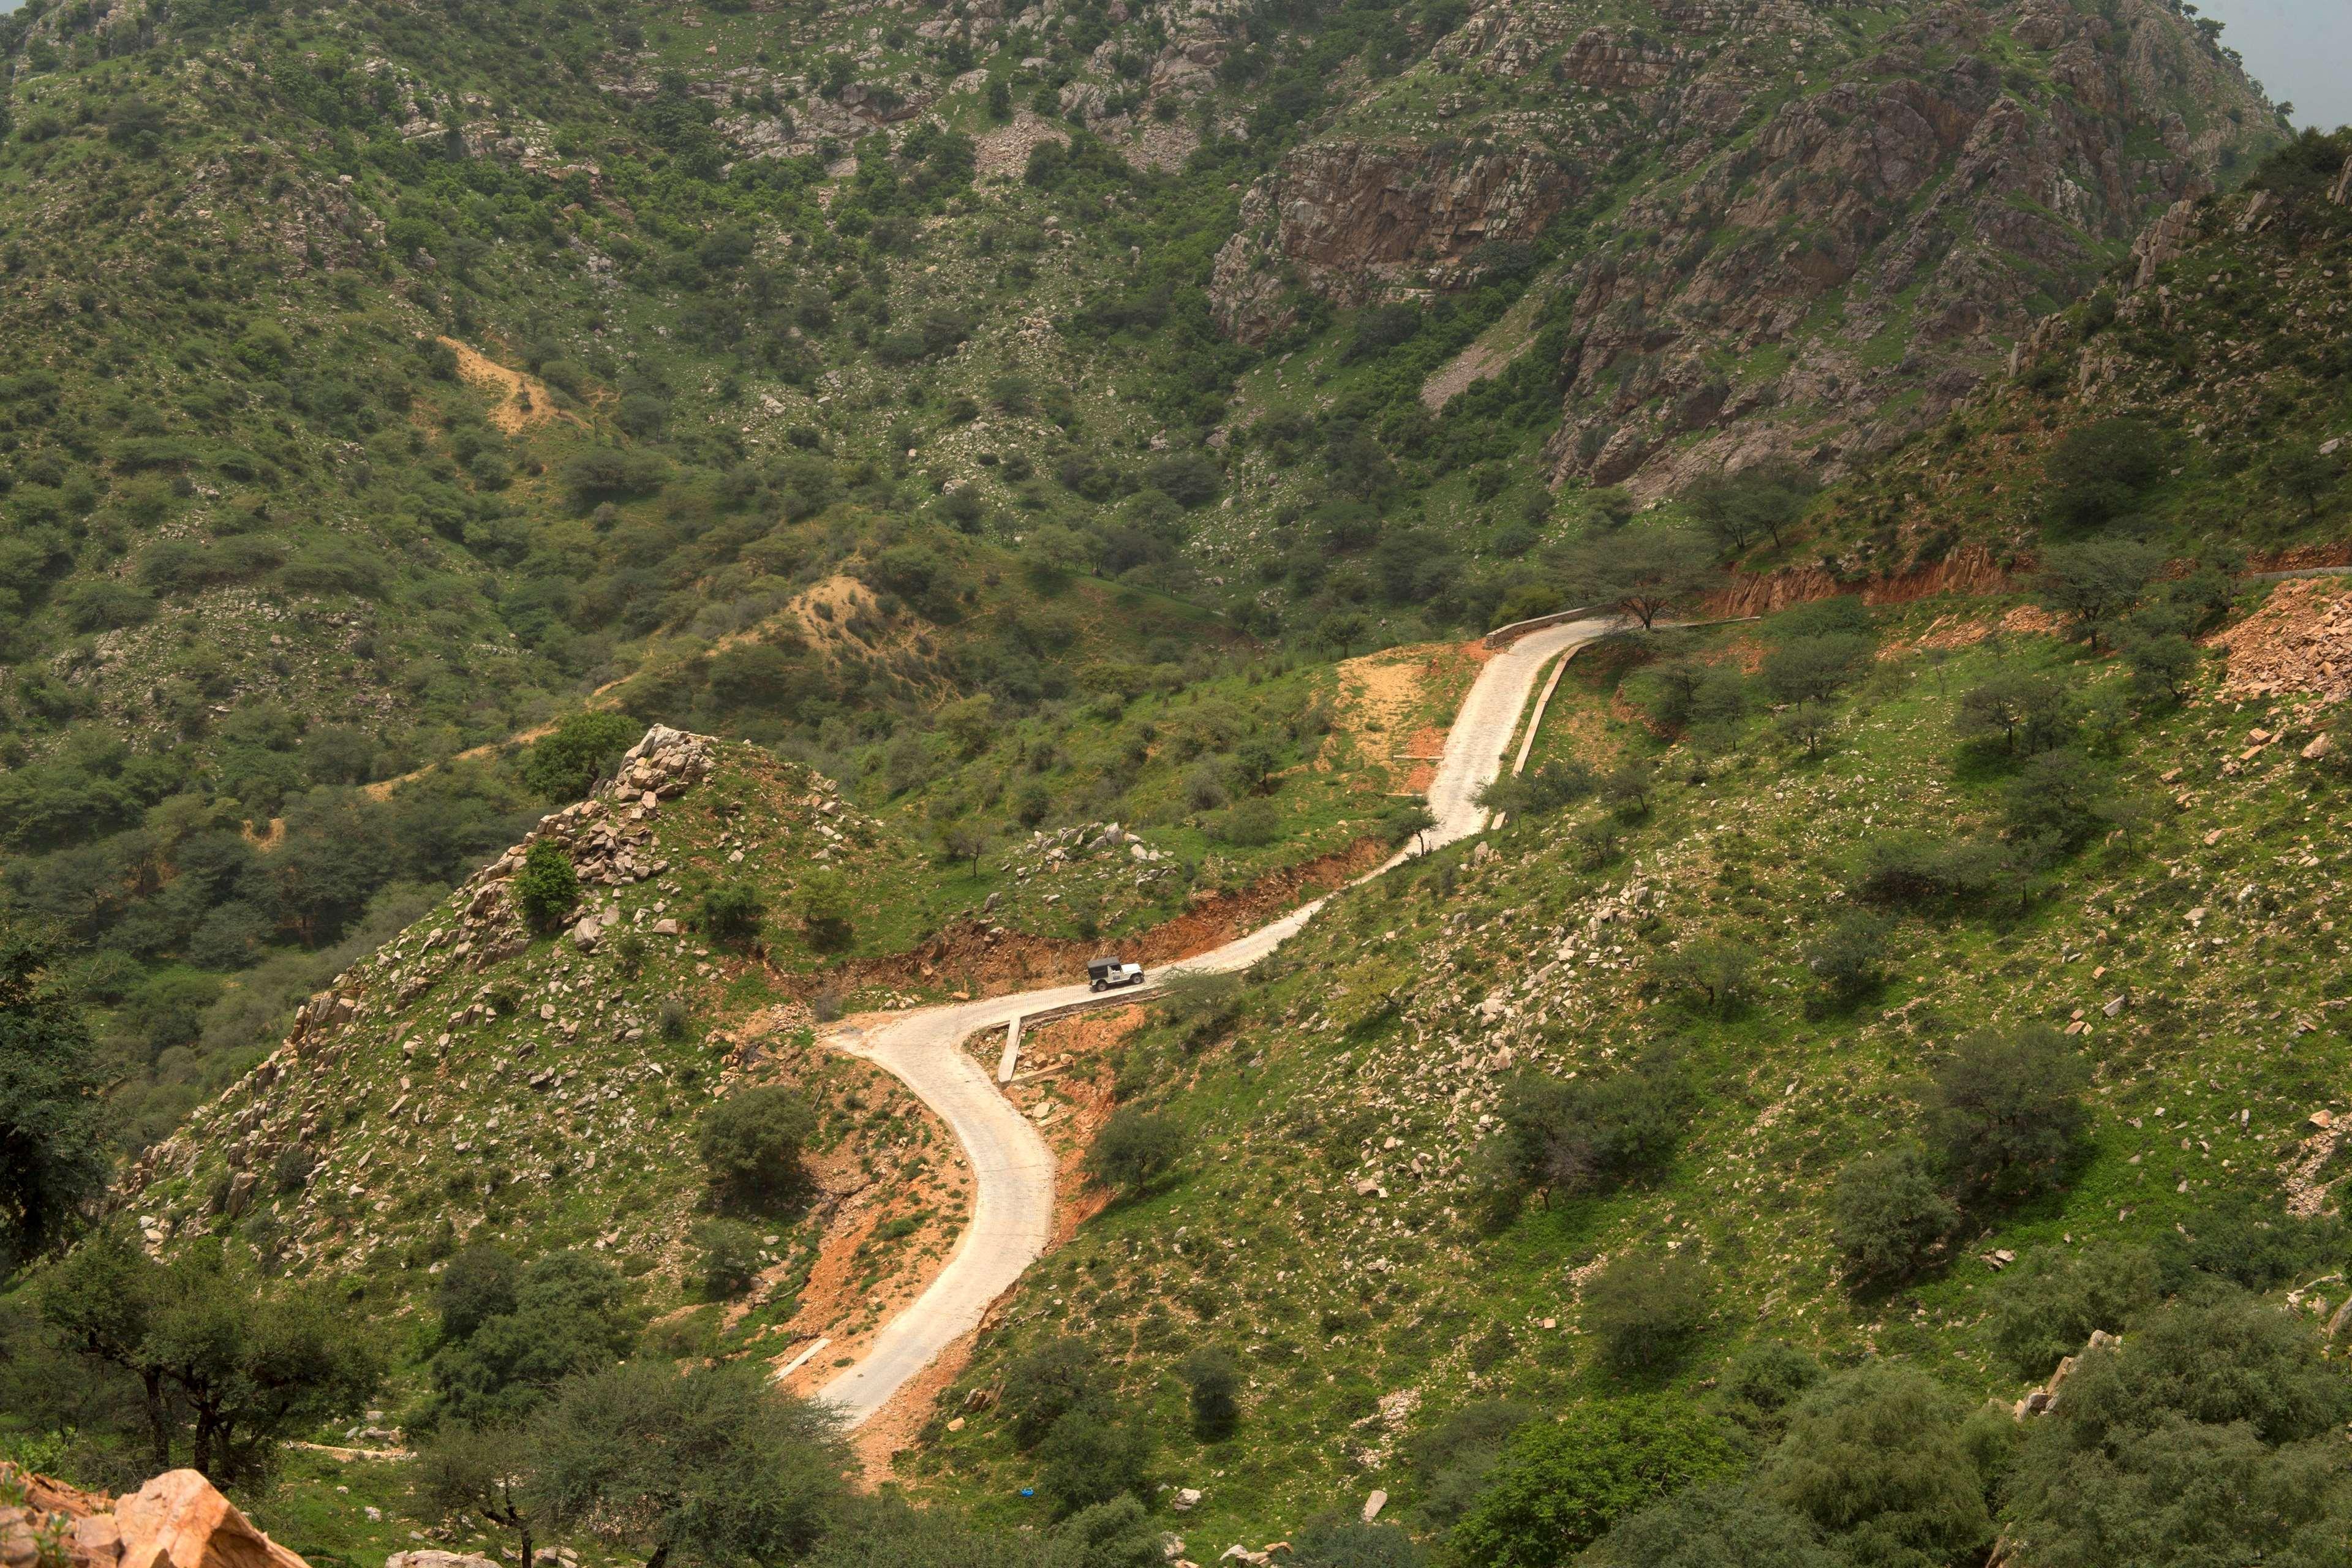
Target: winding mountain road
[[1012, 1170]]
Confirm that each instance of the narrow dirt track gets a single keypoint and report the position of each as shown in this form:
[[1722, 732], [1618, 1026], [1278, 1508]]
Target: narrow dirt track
[[1012, 1170]]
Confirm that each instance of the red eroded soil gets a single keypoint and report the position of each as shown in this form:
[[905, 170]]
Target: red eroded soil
[[974, 960]]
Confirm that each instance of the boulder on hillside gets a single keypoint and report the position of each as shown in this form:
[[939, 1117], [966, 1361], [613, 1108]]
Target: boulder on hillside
[[179, 1520]]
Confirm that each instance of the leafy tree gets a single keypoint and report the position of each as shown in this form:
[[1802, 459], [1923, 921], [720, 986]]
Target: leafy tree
[[568, 1320], [2013, 704], [1760, 1386], [2099, 469], [1134, 1150], [1641, 573], [2047, 1305], [2055, 804], [2162, 664], [823, 901], [1059, 1376], [1717, 967], [2097, 580], [2213, 1436], [1627, 787], [1338, 1541], [1739, 507], [1715, 1526], [733, 913], [465, 1475], [1214, 1378], [713, 1467], [1815, 669], [966, 842], [2006, 1109], [2302, 475], [731, 1256], [1872, 1458], [1562, 1485], [52, 1157], [478, 1284], [1580, 1135], [1644, 1308], [547, 890], [751, 1144], [564, 765], [235, 1366], [1089, 1459], [1887, 1213], [1540, 791], [1848, 955]]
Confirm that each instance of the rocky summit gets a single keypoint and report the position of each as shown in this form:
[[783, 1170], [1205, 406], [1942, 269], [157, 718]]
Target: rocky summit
[[1136, 784]]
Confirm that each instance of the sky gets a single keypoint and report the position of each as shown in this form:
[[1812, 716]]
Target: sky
[[2301, 50]]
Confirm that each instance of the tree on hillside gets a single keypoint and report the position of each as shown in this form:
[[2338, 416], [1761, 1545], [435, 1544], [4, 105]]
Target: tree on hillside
[[2305, 477], [751, 1144], [966, 842], [235, 1365], [487, 1474], [1645, 1308], [1887, 1213], [564, 765], [713, 1467], [2097, 580], [2099, 469], [1641, 573], [547, 888], [2212, 1435], [1874, 1458], [504, 1354], [1560, 1485], [2005, 1109], [1134, 1150], [1738, 508], [1815, 669], [51, 1157]]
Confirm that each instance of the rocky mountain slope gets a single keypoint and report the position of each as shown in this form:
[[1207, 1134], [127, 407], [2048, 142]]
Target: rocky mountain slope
[[1796, 232], [2197, 398], [1344, 1224]]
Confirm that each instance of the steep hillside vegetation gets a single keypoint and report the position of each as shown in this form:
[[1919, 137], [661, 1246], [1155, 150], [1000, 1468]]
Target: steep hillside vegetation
[[1706, 1056], [2199, 399]]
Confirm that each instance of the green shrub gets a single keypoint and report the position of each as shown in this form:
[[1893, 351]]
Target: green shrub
[[2047, 1306], [562, 766], [1561, 1485], [1134, 1150], [750, 1145], [1644, 1308], [1046, 1383], [1888, 1213], [1848, 955], [546, 889], [1714, 1527], [823, 903], [733, 913], [2212, 1434], [731, 1256], [2005, 1110], [1874, 1458]]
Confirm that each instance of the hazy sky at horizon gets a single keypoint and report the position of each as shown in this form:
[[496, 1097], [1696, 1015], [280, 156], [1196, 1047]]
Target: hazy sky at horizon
[[2300, 50]]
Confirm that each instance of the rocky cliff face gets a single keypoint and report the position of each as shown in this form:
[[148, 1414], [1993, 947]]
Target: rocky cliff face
[[1358, 222], [1796, 236]]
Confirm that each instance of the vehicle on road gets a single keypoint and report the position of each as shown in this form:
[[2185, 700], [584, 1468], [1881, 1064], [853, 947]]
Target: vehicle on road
[[1105, 972]]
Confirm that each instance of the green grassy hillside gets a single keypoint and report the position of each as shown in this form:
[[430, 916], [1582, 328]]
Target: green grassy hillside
[[1743, 914]]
